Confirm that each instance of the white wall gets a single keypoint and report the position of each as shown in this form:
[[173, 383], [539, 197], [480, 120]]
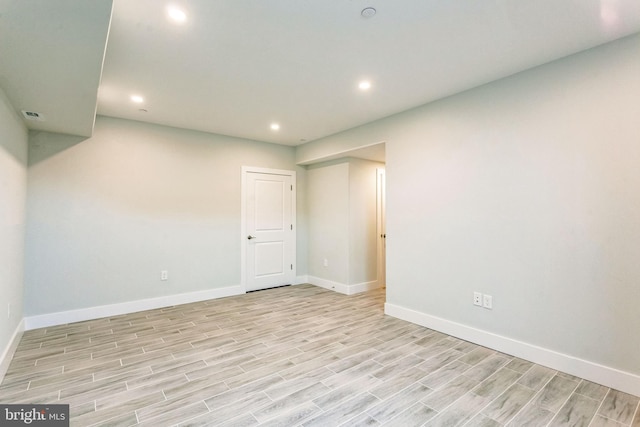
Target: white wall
[[342, 224], [526, 189], [107, 214], [13, 188]]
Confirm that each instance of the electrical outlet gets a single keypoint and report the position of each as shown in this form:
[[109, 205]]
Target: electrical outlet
[[487, 302], [326, 262], [477, 298], [164, 275]]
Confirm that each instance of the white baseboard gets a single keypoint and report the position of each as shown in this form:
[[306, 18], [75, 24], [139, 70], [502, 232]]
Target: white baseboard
[[363, 287], [610, 377], [64, 317], [328, 284], [341, 287], [9, 351]]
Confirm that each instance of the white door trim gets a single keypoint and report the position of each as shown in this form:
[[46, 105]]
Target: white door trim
[[381, 227], [243, 217]]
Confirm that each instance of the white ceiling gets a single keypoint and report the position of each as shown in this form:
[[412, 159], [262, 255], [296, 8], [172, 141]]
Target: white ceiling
[[234, 66]]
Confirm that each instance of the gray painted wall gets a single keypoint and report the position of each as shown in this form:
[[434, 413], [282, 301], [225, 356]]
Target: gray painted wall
[[107, 214], [342, 220], [13, 189], [525, 189], [328, 198]]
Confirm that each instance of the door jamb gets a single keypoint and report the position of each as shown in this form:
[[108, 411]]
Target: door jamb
[[381, 253]]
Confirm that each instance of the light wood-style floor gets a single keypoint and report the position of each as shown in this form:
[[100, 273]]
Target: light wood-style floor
[[293, 356]]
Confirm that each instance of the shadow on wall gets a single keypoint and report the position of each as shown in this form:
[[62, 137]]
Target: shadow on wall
[[12, 148], [55, 143]]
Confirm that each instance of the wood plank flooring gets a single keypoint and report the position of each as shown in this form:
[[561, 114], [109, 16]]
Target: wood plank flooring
[[293, 356]]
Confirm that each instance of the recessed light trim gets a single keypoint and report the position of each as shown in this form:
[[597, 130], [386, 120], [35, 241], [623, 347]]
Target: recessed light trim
[[275, 126], [137, 99]]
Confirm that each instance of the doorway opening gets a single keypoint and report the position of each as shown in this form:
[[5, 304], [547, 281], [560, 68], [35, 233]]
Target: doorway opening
[[347, 216]]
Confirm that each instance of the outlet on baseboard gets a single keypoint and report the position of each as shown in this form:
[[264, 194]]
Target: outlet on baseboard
[[164, 275], [326, 262]]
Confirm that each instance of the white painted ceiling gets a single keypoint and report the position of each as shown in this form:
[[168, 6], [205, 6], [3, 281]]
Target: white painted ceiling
[[234, 66]]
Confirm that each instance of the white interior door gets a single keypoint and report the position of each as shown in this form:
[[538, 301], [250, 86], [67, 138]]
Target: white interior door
[[269, 229]]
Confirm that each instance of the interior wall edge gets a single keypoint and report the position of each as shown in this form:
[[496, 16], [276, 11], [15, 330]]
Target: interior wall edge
[[335, 153], [597, 373]]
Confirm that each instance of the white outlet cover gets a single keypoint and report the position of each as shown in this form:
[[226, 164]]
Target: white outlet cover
[[477, 298], [487, 302]]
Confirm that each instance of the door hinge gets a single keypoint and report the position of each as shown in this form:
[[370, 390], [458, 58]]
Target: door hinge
[[291, 187], [292, 226], [292, 266]]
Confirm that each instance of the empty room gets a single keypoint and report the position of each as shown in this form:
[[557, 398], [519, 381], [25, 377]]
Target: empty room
[[295, 213]]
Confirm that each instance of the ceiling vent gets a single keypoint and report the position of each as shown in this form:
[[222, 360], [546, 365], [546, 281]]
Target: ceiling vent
[[368, 12], [32, 115]]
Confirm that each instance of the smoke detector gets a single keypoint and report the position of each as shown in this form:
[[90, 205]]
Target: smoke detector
[[32, 115], [368, 12]]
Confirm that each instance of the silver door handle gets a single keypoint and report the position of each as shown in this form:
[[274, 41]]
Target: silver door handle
[[251, 237]]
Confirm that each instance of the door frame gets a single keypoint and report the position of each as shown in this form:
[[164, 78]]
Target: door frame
[[381, 227], [243, 218]]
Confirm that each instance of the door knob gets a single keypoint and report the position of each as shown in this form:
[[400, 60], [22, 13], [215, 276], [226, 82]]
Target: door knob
[[251, 237]]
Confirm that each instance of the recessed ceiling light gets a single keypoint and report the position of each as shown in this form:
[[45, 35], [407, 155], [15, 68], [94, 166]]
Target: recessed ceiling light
[[368, 12], [137, 99], [176, 15], [364, 85], [275, 126]]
